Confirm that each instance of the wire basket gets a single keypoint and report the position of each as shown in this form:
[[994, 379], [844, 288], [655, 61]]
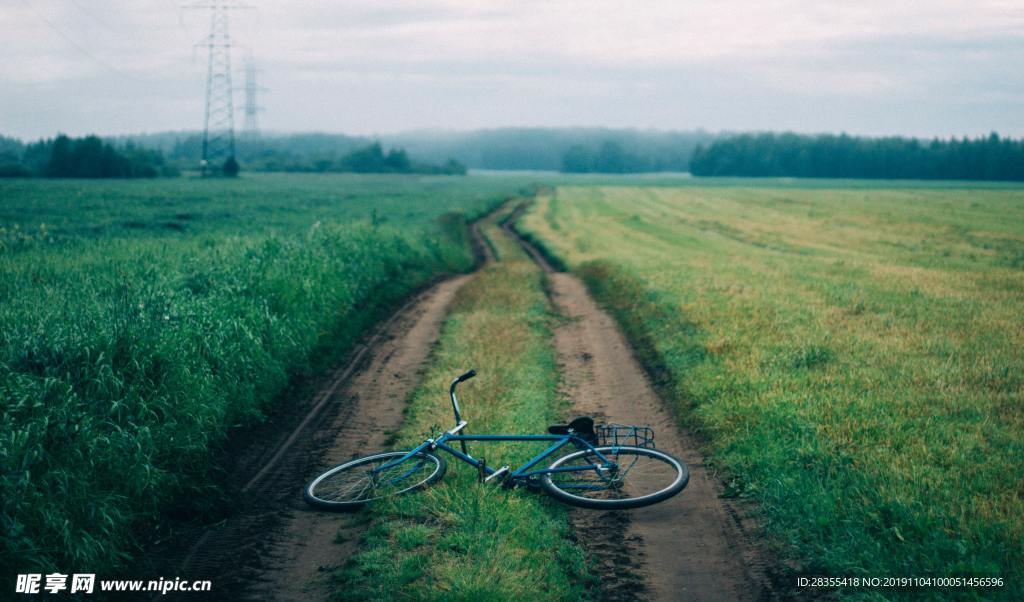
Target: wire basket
[[625, 435]]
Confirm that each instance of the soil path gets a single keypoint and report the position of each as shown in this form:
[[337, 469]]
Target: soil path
[[311, 543], [694, 546], [273, 546]]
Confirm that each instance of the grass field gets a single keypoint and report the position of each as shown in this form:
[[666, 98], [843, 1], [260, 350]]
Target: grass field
[[256, 203], [141, 321], [851, 356], [458, 539], [850, 352]]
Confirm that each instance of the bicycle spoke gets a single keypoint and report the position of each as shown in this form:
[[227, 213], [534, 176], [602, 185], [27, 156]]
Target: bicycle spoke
[[365, 481], [633, 475]]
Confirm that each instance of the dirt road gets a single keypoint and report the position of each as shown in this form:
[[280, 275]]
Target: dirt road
[[276, 547], [691, 547], [305, 550], [273, 546]]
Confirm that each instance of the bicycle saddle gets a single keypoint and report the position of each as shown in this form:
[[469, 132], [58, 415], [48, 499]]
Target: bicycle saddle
[[582, 427]]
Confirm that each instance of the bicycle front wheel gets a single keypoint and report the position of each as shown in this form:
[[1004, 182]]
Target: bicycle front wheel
[[635, 477], [358, 482]]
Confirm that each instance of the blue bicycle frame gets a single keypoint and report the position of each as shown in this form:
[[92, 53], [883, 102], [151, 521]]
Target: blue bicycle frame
[[524, 472]]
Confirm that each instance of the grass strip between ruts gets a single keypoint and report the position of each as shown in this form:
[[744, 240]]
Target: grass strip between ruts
[[460, 539]]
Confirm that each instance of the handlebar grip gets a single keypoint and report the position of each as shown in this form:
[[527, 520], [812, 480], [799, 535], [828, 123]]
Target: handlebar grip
[[466, 376]]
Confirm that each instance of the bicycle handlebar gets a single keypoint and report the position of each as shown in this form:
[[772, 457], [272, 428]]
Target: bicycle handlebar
[[455, 404], [464, 377]]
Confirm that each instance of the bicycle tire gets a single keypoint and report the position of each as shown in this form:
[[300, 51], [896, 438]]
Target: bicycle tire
[[322, 492], [680, 477]]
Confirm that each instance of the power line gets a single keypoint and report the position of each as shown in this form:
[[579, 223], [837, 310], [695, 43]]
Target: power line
[[219, 118], [82, 49], [93, 16]]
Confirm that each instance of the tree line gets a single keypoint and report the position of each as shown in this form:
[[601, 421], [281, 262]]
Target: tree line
[[546, 149], [94, 157], [571, 150], [373, 159], [87, 157], [541, 149], [829, 156], [311, 152]]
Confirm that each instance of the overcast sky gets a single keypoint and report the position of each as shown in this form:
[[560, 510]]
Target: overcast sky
[[925, 68]]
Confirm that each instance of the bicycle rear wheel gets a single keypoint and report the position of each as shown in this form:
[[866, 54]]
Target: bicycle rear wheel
[[639, 477], [354, 484]]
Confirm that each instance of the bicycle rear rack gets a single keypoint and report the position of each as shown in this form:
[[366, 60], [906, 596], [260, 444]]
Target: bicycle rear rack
[[623, 435]]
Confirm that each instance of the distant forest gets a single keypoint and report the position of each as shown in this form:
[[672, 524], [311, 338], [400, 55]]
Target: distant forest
[[373, 159], [137, 157], [537, 149], [313, 152], [828, 156], [547, 149], [570, 150], [88, 157]]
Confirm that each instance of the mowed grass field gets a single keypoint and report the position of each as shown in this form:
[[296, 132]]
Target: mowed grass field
[[852, 357], [141, 321]]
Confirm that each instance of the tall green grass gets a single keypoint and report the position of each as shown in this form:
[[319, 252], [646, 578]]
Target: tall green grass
[[852, 356], [459, 539], [125, 360]]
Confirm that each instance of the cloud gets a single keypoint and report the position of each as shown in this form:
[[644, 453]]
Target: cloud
[[729, 64]]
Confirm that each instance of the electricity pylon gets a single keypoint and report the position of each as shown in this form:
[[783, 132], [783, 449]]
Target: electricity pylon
[[219, 118], [252, 107]]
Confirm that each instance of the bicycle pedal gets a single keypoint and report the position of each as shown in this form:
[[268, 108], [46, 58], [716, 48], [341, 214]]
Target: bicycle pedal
[[481, 471], [499, 474]]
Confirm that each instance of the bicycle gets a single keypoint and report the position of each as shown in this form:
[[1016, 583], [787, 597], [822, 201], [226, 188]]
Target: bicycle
[[613, 467]]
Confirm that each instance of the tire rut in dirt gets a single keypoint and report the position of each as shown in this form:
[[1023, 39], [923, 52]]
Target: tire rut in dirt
[[255, 553], [304, 546], [694, 546], [617, 553]]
